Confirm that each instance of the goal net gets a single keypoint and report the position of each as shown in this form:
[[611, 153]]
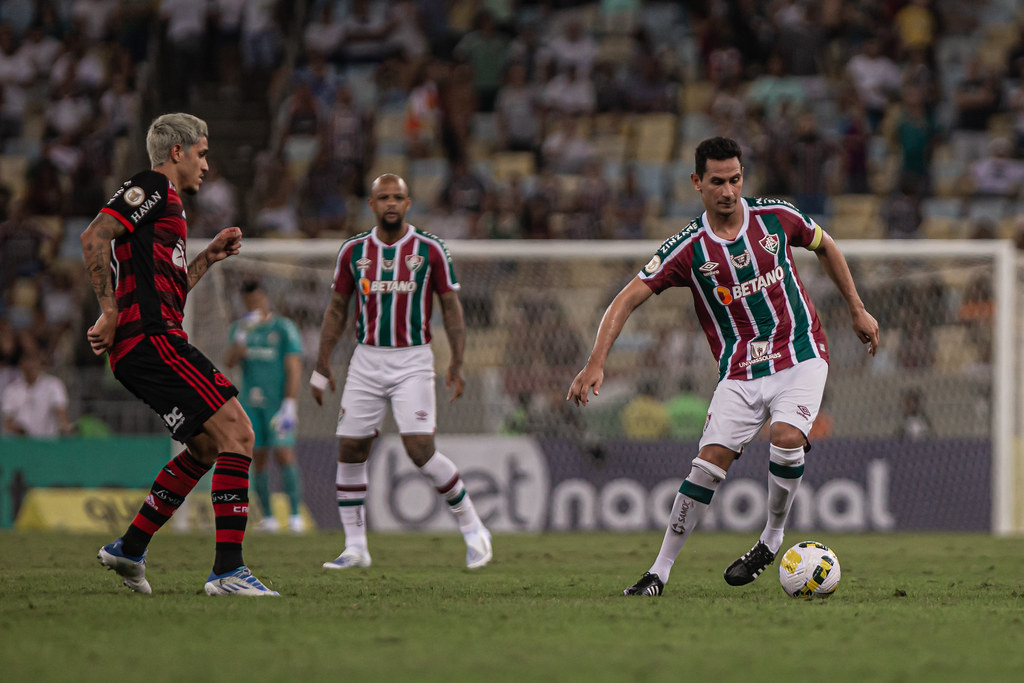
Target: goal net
[[922, 436]]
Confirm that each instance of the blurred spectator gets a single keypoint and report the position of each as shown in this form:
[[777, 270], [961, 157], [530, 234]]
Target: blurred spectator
[[423, 113], [997, 174], [120, 105], [226, 21], [464, 194], [571, 48], [84, 65], [644, 417], [323, 34], [44, 191], [901, 212], [261, 36], [321, 77], [570, 93], [216, 204], [914, 422], [876, 78], [919, 72], [458, 104], [94, 17], [650, 89], [916, 25], [366, 29], [687, 412], [185, 22], [322, 195], [976, 97], [17, 72], [592, 199], [408, 38], [914, 136], [770, 89], [629, 208], [855, 132], [347, 132], [812, 156], [485, 50], [299, 123], [502, 210], [565, 150], [35, 403], [518, 113]]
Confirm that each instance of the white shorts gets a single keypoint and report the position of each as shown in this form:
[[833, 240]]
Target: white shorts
[[739, 407], [377, 375]]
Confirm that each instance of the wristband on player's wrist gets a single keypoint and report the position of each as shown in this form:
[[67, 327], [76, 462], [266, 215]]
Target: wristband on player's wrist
[[318, 381]]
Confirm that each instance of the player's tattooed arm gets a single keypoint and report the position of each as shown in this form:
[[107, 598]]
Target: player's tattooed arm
[[455, 328], [228, 242], [96, 253]]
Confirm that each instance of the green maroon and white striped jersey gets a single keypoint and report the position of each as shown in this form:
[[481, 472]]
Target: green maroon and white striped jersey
[[750, 301], [394, 285]]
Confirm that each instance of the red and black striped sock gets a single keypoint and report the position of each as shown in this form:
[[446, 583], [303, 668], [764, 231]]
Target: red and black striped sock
[[230, 491], [173, 483]]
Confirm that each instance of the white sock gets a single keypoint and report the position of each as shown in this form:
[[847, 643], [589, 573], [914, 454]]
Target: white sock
[[444, 475], [687, 509], [785, 470], [351, 482]]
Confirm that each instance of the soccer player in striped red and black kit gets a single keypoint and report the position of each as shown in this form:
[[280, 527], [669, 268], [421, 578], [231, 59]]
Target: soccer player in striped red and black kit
[[134, 251], [762, 327], [394, 270]]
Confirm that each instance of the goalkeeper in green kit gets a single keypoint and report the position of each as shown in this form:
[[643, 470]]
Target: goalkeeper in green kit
[[269, 350]]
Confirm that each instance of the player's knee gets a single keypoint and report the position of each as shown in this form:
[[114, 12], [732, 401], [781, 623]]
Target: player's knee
[[786, 435]]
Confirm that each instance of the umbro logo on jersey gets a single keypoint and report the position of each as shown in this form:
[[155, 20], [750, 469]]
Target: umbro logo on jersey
[[363, 263], [804, 411], [770, 243], [740, 260], [710, 268]]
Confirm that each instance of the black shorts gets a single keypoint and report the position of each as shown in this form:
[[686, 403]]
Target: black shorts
[[176, 380]]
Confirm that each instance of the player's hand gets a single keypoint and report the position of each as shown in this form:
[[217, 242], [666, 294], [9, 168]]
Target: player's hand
[[454, 382], [284, 420], [866, 327], [318, 391], [228, 242], [101, 333], [589, 378]]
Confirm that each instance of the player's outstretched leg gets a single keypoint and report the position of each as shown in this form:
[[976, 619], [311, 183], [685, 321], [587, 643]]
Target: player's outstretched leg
[[750, 565], [131, 569]]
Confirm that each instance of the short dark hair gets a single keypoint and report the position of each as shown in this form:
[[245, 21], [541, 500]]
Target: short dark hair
[[719, 149], [250, 286]]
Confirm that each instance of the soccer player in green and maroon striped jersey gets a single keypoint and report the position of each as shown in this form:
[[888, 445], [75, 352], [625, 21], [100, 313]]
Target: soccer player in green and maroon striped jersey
[[764, 332], [394, 270]]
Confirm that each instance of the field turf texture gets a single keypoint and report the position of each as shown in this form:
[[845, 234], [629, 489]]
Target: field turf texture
[[910, 607]]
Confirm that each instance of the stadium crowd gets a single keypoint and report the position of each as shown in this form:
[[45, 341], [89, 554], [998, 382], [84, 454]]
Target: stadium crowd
[[509, 118]]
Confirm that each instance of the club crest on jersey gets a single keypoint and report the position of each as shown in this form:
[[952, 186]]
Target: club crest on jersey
[[363, 263], [653, 265], [413, 261], [740, 260], [710, 268], [134, 195], [388, 263], [770, 242]]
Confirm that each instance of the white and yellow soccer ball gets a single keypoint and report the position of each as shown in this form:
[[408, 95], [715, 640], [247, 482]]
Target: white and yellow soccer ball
[[809, 570]]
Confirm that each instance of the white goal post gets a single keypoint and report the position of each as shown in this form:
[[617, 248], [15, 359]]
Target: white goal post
[[971, 380]]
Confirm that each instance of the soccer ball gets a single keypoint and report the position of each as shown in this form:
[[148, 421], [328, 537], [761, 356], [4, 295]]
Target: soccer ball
[[809, 570]]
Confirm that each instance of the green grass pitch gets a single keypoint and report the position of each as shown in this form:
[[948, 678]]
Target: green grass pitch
[[910, 607]]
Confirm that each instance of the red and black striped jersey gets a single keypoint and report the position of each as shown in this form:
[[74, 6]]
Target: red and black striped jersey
[[149, 261]]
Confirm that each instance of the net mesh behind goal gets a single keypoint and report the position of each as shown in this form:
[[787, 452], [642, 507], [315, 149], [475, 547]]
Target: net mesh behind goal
[[532, 310], [531, 319]]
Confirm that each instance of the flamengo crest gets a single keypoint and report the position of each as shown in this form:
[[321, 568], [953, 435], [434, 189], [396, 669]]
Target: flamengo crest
[[770, 243]]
